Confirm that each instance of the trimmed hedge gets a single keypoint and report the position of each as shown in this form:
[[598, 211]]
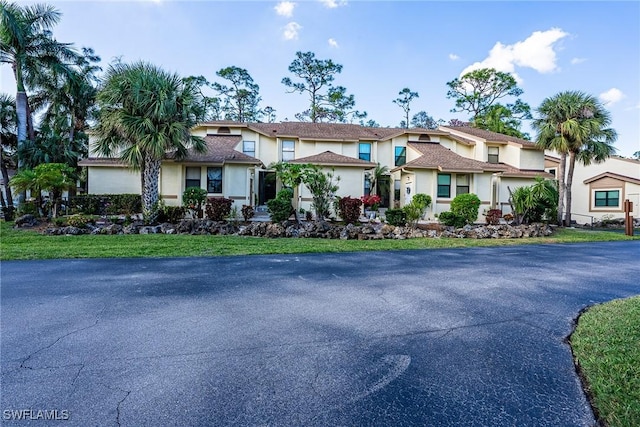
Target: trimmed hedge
[[106, 204]]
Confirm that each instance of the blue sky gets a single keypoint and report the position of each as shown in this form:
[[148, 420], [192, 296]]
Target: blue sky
[[383, 46]]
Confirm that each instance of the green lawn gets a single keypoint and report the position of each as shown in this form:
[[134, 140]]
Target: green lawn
[[24, 244], [606, 346]]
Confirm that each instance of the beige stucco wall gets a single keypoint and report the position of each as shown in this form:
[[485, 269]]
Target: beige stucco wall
[[113, 180], [172, 183], [235, 185], [351, 184]]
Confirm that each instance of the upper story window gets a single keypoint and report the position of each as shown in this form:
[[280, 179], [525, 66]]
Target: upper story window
[[364, 151], [224, 129], [214, 180], [249, 148], [462, 184], [400, 156], [444, 185], [552, 172], [493, 154], [424, 138], [288, 150], [192, 177], [609, 198]]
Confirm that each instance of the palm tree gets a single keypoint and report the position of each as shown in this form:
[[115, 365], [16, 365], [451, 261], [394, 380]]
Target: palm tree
[[26, 43], [575, 125], [7, 145], [145, 114], [51, 177]]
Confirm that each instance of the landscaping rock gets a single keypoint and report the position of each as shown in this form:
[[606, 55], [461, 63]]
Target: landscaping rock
[[27, 220]]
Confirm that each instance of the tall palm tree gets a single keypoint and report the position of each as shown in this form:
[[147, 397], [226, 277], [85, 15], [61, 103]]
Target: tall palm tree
[[145, 114], [575, 125], [27, 44], [7, 143]]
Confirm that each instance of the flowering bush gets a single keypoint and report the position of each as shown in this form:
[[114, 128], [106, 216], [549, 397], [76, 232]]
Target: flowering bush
[[372, 201]]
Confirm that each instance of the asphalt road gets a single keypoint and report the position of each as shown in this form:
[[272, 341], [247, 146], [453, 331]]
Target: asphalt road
[[428, 338]]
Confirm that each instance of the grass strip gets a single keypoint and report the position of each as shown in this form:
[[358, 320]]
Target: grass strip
[[25, 244], [606, 347]]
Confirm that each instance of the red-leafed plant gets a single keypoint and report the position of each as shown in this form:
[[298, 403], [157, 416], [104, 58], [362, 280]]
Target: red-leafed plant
[[372, 201]]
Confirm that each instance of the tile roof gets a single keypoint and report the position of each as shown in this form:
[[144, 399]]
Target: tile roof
[[329, 158], [614, 176], [490, 136], [220, 149]]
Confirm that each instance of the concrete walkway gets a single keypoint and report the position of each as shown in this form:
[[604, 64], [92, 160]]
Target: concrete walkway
[[465, 337]]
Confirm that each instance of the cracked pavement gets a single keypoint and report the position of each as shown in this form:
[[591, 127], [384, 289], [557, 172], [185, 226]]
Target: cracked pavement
[[459, 337]]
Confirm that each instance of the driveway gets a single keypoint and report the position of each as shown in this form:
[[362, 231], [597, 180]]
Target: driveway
[[437, 337]]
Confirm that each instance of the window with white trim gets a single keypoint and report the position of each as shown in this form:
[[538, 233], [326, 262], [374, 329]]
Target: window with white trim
[[214, 180], [192, 177], [249, 148], [493, 154], [288, 150], [462, 184]]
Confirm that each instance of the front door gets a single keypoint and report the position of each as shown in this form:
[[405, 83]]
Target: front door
[[266, 187]]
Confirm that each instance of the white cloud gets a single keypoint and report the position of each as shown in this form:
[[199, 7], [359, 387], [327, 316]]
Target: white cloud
[[575, 61], [536, 51], [333, 43], [285, 8], [332, 4], [291, 31], [612, 96], [453, 57]]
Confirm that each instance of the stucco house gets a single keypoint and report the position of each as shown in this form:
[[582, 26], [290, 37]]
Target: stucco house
[[441, 163], [601, 188]]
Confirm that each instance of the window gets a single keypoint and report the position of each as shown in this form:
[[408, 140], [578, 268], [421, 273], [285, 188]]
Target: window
[[552, 172], [367, 185], [288, 150], [192, 177], [364, 152], [401, 156], [214, 180], [249, 148], [608, 198], [493, 154], [224, 129], [444, 185], [462, 184]]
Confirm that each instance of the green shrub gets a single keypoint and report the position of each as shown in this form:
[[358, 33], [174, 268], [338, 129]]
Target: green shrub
[[247, 212], [172, 214], [493, 216], [106, 204], [452, 219], [8, 212], [396, 217], [79, 220], [60, 221], [280, 208], [415, 210], [349, 209], [466, 206], [193, 198], [28, 208]]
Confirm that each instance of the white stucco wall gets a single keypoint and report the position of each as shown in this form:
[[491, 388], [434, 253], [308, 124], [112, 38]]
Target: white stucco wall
[[113, 180]]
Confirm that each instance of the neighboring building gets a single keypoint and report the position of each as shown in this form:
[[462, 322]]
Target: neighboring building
[[441, 163], [601, 188]]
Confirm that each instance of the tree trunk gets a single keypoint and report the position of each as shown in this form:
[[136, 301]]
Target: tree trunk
[[572, 163], [5, 178], [150, 191], [561, 186], [21, 111]]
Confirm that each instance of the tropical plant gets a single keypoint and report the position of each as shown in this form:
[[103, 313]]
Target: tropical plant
[[414, 211], [218, 208], [396, 217], [51, 177], [376, 176], [323, 187], [27, 45], [467, 206], [247, 212], [534, 203], [146, 114], [575, 125]]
